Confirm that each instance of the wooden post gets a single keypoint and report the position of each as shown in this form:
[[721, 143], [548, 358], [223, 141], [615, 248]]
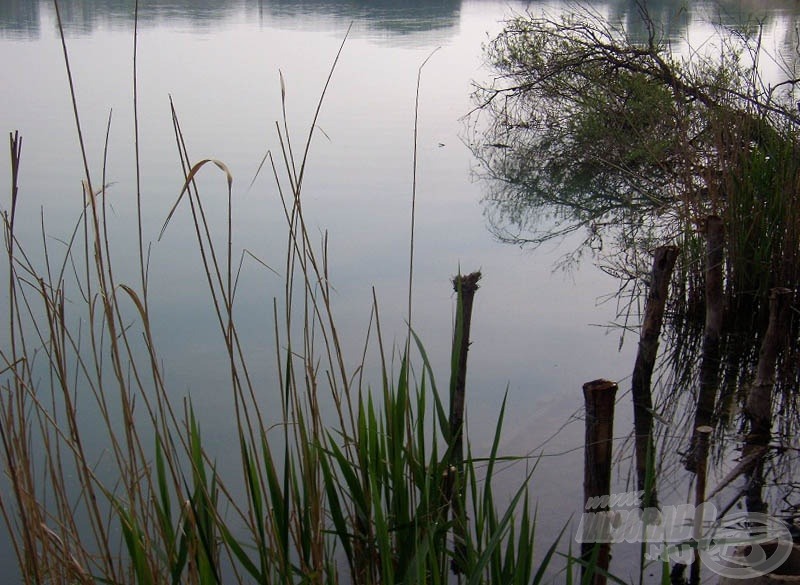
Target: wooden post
[[465, 287], [712, 333], [598, 397], [663, 262], [702, 433], [758, 408]]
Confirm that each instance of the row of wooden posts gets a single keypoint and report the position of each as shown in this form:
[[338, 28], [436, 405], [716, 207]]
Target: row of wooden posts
[[599, 395]]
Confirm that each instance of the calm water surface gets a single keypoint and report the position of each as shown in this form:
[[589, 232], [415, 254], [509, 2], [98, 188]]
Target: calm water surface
[[537, 333]]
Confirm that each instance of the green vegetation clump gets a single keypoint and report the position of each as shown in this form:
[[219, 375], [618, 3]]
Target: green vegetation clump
[[592, 128], [587, 128]]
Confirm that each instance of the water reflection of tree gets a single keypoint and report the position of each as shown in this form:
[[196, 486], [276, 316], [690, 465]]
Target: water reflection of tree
[[589, 128], [19, 18], [22, 17]]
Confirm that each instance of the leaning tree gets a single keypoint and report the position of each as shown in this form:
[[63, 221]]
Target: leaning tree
[[585, 127]]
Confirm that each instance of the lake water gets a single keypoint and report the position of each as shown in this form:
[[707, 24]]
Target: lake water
[[538, 333]]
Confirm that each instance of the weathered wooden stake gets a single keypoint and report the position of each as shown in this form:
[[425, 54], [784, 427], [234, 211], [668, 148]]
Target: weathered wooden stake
[[465, 287], [712, 333], [663, 262], [758, 408], [598, 397]]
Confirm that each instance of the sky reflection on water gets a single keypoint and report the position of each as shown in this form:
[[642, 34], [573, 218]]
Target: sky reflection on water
[[535, 332]]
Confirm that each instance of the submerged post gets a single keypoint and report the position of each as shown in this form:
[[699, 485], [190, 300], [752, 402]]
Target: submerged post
[[664, 259], [598, 397], [465, 287], [712, 333], [758, 408], [702, 435]]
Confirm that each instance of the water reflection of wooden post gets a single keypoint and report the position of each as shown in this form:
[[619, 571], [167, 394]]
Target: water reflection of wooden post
[[663, 263], [702, 435], [758, 408], [465, 287], [598, 397], [709, 364]]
